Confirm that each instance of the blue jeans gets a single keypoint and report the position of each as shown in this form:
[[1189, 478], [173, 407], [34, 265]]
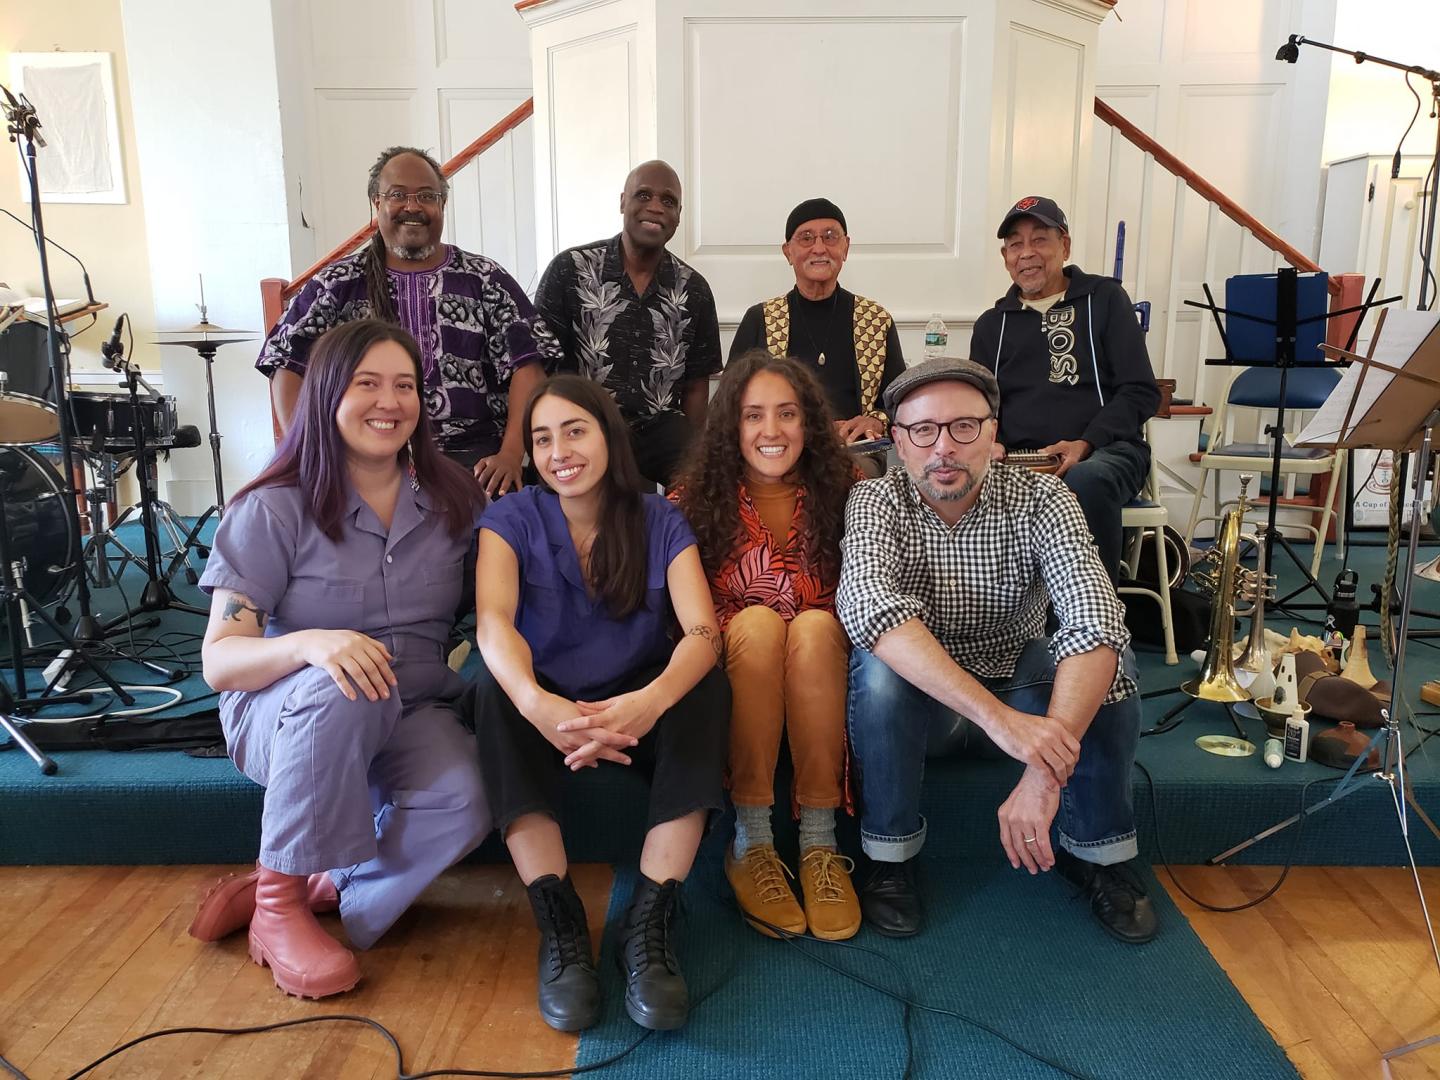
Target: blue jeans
[[1103, 483], [893, 727]]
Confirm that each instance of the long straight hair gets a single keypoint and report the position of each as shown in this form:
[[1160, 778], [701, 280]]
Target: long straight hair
[[312, 455], [620, 552]]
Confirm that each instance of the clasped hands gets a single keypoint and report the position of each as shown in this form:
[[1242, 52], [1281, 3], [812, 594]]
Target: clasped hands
[[602, 730], [1050, 753]]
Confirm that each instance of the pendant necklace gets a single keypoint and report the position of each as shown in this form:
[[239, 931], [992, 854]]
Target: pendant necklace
[[829, 325]]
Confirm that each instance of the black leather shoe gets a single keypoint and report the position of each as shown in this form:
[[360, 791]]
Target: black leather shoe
[[890, 901], [655, 993], [1117, 898], [569, 986]]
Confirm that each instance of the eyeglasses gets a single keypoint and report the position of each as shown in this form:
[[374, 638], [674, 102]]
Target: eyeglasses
[[963, 430], [400, 198], [830, 238]]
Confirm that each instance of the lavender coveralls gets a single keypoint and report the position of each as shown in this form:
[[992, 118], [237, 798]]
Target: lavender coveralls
[[385, 795]]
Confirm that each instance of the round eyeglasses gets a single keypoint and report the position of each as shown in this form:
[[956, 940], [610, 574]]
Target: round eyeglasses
[[963, 430]]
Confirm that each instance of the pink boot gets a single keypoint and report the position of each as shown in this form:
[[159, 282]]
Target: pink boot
[[284, 936], [228, 905]]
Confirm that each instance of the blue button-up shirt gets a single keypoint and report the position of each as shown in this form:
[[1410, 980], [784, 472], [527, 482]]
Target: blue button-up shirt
[[575, 643]]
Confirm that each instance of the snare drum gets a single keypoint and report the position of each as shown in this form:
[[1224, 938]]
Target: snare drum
[[42, 535], [106, 421]]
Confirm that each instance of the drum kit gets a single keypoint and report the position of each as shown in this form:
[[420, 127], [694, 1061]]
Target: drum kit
[[40, 533]]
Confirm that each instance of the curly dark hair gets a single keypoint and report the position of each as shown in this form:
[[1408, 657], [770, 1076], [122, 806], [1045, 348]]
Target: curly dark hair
[[709, 479]]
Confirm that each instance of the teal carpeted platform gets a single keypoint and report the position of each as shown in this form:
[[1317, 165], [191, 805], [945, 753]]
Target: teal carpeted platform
[[1014, 952], [167, 807]]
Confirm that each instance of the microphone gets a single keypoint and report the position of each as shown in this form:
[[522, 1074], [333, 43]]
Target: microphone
[[1290, 51], [112, 351], [84, 273]]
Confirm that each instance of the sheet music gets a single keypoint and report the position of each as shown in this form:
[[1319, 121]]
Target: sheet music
[[1399, 338]]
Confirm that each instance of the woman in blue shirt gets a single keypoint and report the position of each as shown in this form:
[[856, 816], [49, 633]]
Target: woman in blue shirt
[[596, 626], [333, 579]]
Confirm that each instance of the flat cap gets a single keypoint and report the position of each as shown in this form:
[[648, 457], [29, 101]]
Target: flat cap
[[948, 368]]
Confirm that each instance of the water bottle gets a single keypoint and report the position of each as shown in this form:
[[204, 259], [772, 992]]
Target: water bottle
[[936, 337]]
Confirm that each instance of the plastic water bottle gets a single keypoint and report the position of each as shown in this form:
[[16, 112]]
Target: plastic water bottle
[[936, 337]]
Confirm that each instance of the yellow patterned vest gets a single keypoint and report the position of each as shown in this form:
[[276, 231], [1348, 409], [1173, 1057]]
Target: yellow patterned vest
[[871, 325]]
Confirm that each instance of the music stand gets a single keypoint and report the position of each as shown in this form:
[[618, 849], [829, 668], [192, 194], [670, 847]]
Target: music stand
[[1394, 391]]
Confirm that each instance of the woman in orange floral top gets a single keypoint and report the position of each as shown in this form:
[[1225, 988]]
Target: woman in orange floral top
[[764, 489]]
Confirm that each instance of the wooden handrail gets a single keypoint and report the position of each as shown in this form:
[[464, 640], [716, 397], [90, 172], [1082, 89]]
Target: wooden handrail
[[1208, 191], [512, 120]]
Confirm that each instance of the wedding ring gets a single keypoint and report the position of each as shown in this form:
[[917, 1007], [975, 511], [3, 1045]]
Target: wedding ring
[[1028, 839]]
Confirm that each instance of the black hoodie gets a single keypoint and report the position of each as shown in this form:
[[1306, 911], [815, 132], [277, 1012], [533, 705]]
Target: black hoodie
[[1048, 366]]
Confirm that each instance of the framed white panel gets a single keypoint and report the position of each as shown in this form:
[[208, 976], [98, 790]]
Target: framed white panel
[[1138, 37], [758, 141], [482, 39], [1230, 30], [351, 127], [492, 200], [1044, 116], [74, 98], [377, 37], [592, 133]]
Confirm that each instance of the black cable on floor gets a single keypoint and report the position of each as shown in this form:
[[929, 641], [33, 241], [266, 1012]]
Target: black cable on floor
[[1289, 858]]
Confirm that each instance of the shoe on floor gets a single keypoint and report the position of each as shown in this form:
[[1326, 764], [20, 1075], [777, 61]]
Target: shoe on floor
[[831, 906], [764, 896], [1117, 898], [655, 993], [229, 904], [284, 936], [890, 900], [569, 988]]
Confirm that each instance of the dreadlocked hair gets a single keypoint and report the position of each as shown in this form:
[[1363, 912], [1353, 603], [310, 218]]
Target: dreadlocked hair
[[377, 283], [709, 481]]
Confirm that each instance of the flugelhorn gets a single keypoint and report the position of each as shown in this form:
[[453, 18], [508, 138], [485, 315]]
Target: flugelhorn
[[1217, 681]]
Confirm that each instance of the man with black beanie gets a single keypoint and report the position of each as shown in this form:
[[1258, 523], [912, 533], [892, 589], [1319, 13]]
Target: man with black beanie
[[848, 341]]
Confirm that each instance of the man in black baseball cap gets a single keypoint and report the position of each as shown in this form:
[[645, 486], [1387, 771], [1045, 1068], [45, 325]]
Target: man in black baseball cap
[[1075, 378], [849, 342]]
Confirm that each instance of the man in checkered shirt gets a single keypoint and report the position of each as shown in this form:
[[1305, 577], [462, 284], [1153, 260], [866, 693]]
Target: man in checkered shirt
[[951, 565]]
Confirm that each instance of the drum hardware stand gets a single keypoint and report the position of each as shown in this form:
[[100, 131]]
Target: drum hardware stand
[[23, 124], [205, 338], [99, 497], [157, 595]]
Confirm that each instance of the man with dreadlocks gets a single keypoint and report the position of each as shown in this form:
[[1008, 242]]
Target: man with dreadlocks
[[484, 346]]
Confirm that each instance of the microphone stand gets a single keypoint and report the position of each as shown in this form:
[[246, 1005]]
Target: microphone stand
[[22, 123]]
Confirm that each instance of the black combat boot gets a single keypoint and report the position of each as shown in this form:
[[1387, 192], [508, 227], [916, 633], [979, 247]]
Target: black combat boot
[[569, 988], [655, 993]]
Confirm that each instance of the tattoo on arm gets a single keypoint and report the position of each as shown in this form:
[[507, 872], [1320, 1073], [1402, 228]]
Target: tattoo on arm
[[710, 635], [235, 604]]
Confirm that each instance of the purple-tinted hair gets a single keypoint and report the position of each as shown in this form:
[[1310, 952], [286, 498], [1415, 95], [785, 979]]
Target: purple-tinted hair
[[311, 455]]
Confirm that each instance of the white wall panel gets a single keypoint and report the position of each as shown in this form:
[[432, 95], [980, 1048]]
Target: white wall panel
[[759, 142], [1045, 101], [1234, 30], [351, 128], [592, 133], [373, 37]]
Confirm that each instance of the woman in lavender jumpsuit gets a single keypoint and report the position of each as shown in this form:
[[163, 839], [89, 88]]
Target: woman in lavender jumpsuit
[[333, 579]]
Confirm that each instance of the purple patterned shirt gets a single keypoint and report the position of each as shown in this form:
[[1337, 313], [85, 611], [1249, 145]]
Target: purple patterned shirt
[[474, 324]]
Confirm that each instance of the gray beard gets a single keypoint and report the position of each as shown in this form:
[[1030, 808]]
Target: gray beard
[[940, 494], [412, 254]]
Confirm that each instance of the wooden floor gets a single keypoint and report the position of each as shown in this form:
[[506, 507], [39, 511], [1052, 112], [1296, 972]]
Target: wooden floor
[[1336, 964]]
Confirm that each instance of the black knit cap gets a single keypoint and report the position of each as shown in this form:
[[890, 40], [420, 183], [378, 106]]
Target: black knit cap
[[813, 210]]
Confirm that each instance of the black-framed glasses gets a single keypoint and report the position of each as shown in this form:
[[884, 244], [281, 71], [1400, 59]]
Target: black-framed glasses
[[963, 429], [400, 198]]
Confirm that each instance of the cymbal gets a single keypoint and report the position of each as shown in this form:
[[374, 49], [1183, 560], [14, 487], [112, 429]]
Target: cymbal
[[202, 333]]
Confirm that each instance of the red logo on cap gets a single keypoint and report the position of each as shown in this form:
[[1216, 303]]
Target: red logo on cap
[[1026, 203]]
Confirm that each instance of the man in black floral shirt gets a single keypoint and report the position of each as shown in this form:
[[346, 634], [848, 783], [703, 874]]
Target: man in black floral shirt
[[641, 322]]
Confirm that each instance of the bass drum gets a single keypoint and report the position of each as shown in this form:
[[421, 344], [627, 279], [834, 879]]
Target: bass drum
[[42, 534]]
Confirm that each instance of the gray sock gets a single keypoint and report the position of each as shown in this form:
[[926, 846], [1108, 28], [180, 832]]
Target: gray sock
[[817, 828], [752, 828]]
